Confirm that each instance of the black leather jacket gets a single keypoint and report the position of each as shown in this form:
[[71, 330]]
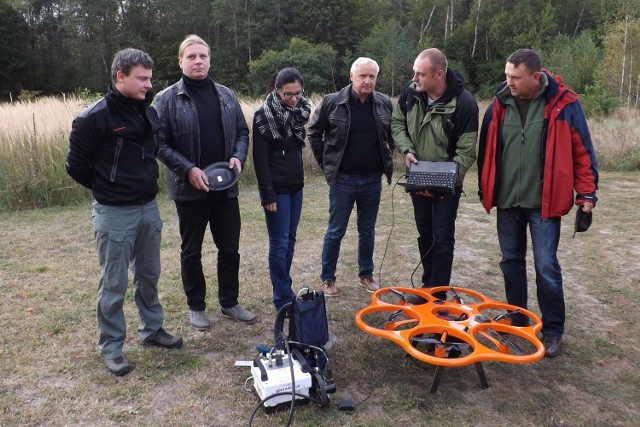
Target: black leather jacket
[[179, 137], [329, 130], [112, 149]]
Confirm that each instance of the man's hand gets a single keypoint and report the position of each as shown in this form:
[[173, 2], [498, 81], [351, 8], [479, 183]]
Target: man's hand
[[586, 207], [411, 158], [271, 207], [198, 179], [234, 162]]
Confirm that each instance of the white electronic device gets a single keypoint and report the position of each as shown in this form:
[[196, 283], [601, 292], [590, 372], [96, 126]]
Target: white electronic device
[[272, 374]]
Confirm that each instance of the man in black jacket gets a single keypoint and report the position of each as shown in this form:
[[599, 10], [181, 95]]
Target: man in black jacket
[[201, 123], [112, 152], [351, 141]]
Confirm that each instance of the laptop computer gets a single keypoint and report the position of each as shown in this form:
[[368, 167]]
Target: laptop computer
[[435, 177]]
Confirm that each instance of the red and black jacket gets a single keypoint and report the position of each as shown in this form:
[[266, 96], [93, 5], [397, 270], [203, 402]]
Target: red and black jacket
[[569, 161]]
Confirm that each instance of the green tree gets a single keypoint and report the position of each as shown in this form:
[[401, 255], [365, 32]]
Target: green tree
[[574, 59], [619, 71], [339, 23], [316, 63], [389, 44], [14, 53]]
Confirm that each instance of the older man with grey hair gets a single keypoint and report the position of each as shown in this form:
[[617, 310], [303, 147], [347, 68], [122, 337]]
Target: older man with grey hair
[[350, 136]]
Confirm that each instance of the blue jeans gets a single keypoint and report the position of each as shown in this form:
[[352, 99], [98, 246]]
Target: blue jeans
[[282, 226], [127, 235], [436, 223], [545, 235], [346, 190]]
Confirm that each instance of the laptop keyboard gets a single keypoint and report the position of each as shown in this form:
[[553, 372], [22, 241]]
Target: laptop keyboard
[[432, 179]]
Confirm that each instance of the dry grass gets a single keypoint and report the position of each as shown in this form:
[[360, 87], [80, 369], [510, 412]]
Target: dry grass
[[51, 373], [34, 142], [617, 140], [43, 119]]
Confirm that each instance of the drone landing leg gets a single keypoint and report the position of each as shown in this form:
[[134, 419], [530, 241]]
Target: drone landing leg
[[436, 378], [483, 378], [440, 370]]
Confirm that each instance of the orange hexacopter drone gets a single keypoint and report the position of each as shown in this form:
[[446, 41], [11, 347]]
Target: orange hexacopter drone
[[463, 329]]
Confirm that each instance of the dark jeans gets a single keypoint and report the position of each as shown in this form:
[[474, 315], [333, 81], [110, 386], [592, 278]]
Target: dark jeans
[[436, 223], [545, 236], [222, 214], [346, 190], [282, 226]]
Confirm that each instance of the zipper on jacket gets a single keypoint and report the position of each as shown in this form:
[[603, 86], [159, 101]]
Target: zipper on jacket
[[116, 157]]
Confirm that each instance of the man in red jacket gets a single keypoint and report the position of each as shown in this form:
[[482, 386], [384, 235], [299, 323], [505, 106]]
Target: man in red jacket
[[534, 152]]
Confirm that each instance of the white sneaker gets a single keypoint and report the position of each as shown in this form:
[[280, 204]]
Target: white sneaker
[[199, 320]]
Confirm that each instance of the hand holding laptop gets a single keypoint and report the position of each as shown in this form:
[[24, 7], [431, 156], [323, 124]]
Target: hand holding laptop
[[428, 178], [409, 159]]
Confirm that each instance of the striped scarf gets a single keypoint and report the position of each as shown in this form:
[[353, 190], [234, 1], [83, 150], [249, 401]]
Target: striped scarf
[[276, 120]]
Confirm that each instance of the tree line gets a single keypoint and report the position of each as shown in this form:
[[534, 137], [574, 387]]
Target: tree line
[[49, 47]]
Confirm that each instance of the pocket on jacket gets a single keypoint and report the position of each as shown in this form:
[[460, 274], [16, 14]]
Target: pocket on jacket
[[385, 119], [116, 158]]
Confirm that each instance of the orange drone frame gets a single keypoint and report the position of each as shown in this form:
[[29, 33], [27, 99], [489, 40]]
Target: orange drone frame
[[456, 333]]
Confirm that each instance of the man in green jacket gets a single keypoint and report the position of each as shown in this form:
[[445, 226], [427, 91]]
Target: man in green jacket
[[436, 119]]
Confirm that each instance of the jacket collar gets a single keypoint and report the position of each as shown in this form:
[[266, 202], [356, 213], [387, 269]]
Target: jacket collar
[[345, 93], [182, 87], [504, 94], [117, 96]]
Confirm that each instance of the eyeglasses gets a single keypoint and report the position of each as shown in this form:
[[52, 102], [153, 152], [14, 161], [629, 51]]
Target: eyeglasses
[[290, 95]]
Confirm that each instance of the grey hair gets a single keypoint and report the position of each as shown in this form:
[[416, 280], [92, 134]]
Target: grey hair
[[126, 59], [363, 61]]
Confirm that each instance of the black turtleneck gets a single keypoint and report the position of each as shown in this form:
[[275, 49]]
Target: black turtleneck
[[362, 155], [204, 94]]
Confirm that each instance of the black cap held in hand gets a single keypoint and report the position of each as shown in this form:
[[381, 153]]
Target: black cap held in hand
[[220, 176], [583, 221]]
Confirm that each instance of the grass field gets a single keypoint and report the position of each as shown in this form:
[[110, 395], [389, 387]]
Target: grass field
[[52, 374], [34, 140]]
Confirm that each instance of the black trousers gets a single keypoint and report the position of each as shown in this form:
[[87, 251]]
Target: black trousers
[[436, 224], [222, 214]]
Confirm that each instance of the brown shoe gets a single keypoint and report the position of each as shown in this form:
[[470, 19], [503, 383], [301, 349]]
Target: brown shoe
[[329, 288], [369, 284], [552, 345]]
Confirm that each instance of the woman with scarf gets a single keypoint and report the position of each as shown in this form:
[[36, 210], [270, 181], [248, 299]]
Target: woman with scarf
[[278, 139]]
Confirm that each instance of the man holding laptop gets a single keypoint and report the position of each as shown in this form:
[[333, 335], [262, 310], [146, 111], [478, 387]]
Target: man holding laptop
[[436, 120]]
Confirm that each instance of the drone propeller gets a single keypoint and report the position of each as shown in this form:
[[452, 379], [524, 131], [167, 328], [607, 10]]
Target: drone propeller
[[505, 342], [508, 315], [430, 340], [390, 319], [456, 297], [398, 293]]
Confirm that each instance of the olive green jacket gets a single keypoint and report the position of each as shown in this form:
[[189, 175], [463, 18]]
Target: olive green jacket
[[446, 130]]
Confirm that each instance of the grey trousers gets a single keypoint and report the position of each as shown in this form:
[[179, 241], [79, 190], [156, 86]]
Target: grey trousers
[[127, 235]]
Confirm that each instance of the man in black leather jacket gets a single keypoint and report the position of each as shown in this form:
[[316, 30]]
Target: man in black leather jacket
[[351, 140], [201, 124], [112, 152]]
